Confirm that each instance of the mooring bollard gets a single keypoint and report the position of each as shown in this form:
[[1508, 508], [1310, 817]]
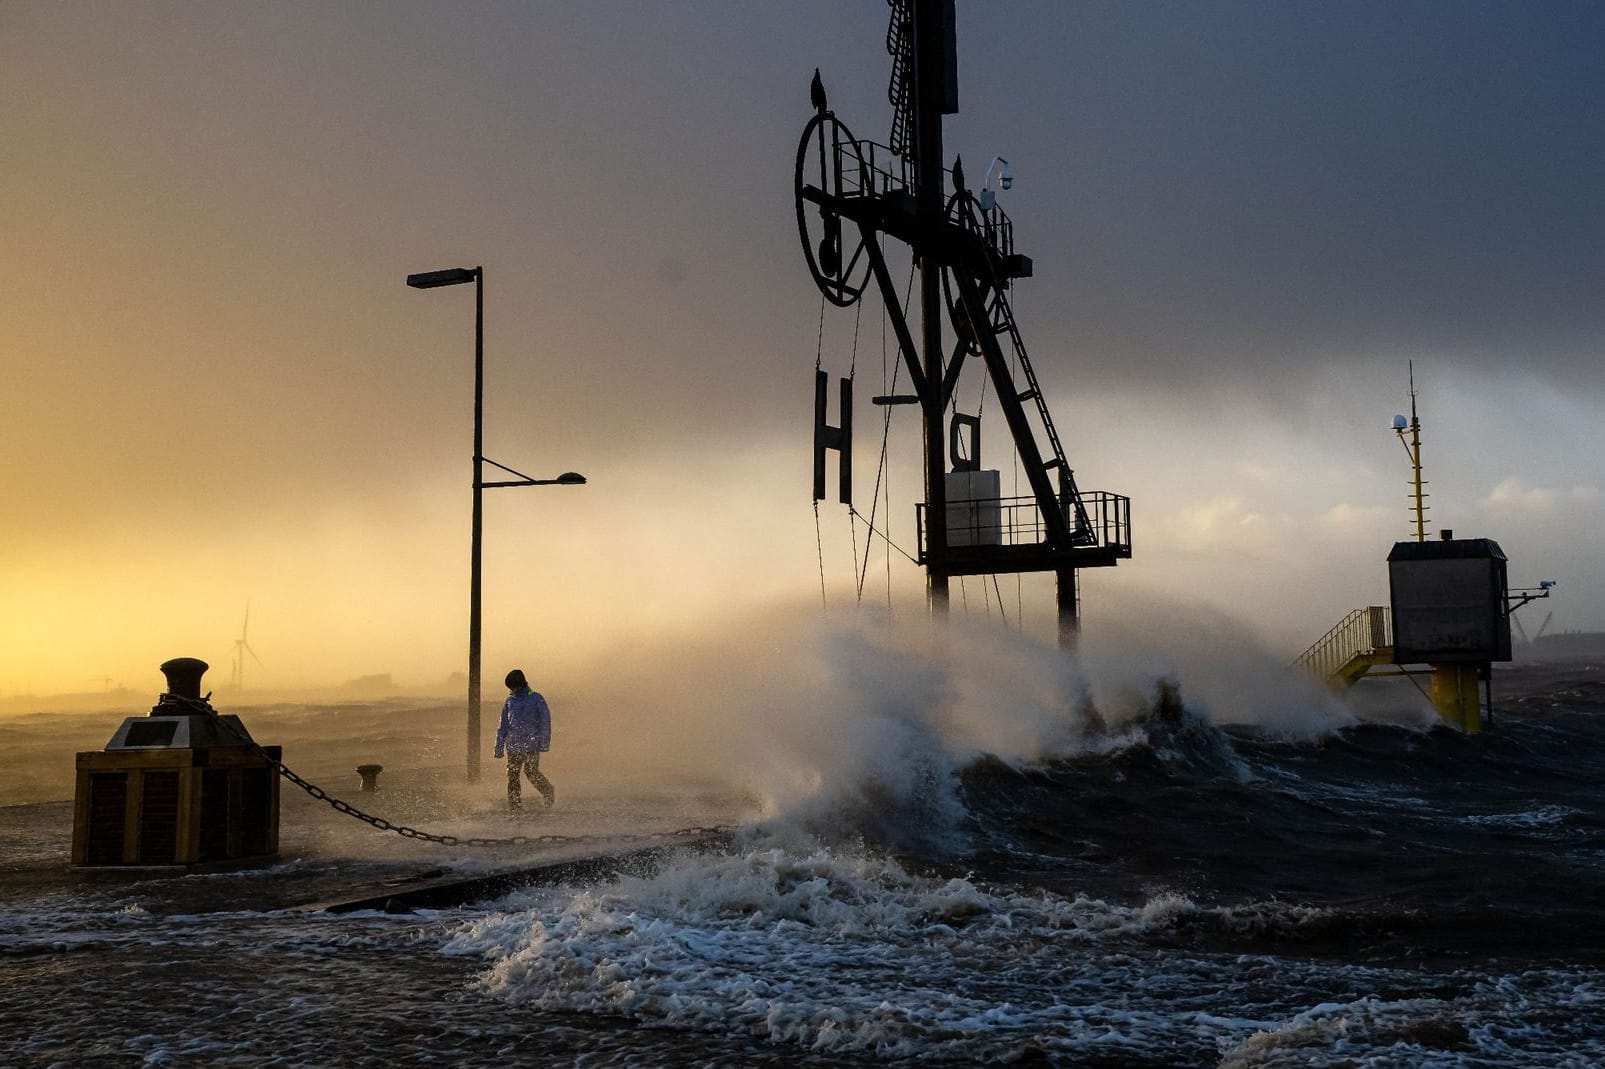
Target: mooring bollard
[[370, 776], [181, 786]]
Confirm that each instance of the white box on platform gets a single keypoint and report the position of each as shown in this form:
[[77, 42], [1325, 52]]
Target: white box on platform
[[974, 514]]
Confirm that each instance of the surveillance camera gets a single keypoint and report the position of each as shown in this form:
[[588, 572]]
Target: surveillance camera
[[1400, 423], [1005, 177]]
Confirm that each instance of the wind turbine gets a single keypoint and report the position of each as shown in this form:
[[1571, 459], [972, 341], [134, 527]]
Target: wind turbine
[[241, 648]]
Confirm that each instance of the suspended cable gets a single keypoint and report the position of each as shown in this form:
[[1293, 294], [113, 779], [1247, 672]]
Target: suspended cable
[[1001, 614], [1019, 579], [858, 315], [819, 546], [881, 470], [819, 535], [852, 536], [819, 347], [882, 536], [852, 529], [888, 482]]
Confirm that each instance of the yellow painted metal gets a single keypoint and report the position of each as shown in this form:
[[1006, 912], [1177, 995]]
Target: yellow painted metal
[[1349, 673], [1454, 695], [1362, 644], [1413, 447]]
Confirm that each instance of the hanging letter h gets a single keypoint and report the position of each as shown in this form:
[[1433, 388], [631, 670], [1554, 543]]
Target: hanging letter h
[[837, 438]]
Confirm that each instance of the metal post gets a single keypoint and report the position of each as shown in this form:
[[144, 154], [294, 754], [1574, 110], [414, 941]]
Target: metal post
[[1415, 459], [929, 205], [479, 515], [1069, 603]]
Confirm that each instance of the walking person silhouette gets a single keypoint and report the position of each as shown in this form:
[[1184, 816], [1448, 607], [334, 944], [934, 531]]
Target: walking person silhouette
[[525, 733]]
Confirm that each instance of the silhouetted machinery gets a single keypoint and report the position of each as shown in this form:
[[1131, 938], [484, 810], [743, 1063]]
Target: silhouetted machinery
[[1449, 602], [855, 199], [182, 786]]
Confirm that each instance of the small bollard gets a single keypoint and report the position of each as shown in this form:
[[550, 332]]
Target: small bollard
[[370, 776]]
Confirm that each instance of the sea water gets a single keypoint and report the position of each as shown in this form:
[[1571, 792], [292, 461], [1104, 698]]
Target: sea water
[[1162, 887]]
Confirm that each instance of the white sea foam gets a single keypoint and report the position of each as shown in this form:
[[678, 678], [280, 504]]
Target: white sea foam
[[841, 952], [762, 955]]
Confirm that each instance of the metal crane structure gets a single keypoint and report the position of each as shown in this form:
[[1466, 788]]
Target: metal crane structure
[[852, 195]]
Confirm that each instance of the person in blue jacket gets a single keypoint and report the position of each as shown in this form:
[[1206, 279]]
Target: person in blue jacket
[[525, 733]]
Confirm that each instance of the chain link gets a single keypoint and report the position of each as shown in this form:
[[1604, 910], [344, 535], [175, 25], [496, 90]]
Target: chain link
[[417, 833]]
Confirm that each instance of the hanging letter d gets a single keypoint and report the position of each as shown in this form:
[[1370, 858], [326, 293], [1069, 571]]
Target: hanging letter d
[[837, 438]]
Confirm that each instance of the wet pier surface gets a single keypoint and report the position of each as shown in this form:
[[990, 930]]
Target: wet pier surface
[[329, 953], [329, 859]]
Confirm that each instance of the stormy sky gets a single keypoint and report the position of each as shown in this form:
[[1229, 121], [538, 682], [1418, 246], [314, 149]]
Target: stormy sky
[[1245, 218]]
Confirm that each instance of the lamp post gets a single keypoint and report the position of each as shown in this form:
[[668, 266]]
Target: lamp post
[[455, 276]]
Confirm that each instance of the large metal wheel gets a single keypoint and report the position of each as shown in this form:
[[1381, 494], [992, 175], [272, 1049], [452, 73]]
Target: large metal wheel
[[834, 251]]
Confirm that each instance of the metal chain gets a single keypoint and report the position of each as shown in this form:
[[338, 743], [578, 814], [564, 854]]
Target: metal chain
[[416, 833]]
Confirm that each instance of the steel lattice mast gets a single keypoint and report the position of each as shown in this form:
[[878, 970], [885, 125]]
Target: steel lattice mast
[[852, 193]]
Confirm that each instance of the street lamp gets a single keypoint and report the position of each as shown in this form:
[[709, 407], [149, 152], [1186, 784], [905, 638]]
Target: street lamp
[[455, 276]]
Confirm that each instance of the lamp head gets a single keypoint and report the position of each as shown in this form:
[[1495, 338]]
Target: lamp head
[[571, 478], [451, 276], [1400, 423]]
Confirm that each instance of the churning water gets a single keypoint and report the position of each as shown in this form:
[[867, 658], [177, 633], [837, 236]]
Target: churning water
[[1153, 888]]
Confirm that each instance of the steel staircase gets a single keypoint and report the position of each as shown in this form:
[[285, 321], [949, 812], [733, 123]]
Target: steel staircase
[[1361, 641]]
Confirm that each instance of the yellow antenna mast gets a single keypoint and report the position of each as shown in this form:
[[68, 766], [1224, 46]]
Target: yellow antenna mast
[[1412, 448]]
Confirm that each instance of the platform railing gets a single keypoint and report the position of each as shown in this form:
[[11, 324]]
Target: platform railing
[[871, 169], [1362, 631], [1017, 521], [993, 224]]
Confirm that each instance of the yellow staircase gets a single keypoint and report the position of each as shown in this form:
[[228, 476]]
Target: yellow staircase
[[1361, 641]]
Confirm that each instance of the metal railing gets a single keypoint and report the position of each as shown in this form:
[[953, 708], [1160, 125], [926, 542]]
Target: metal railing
[[871, 169], [1017, 521], [1361, 631], [992, 224]]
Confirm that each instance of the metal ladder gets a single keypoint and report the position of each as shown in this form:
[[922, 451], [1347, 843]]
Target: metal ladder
[[899, 43], [1001, 315]]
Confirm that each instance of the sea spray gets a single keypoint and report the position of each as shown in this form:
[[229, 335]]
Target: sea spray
[[846, 722], [842, 950], [1374, 896]]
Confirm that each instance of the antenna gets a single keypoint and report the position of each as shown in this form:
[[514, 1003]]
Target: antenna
[[1412, 449], [241, 648]]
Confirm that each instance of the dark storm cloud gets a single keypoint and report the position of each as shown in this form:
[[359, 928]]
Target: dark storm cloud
[[1236, 189]]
